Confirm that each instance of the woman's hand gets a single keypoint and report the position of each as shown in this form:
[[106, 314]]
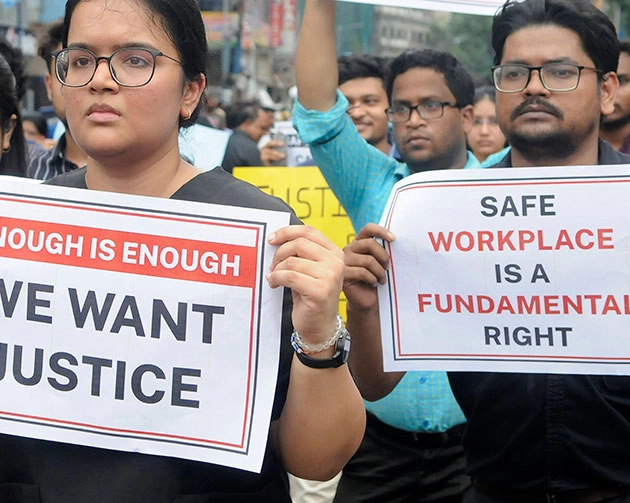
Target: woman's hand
[[312, 266]]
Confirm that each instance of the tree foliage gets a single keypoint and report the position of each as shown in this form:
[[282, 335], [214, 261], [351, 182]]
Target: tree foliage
[[467, 37], [619, 12]]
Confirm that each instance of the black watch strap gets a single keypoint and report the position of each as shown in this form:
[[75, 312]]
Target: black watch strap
[[342, 351]]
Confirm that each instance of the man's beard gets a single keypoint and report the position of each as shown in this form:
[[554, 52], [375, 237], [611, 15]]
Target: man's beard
[[615, 124], [556, 145], [543, 145]]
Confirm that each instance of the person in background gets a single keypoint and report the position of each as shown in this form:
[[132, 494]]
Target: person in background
[[35, 127], [412, 447], [17, 63], [13, 155], [249, 123], [133, 55], [616, 126], [15, 58], [65, 155], [267, 118], [485, 139], [362, 82]]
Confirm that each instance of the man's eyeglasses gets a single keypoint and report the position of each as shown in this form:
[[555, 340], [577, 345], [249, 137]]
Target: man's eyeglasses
[[513, 78], [428, 111], [130, 66]]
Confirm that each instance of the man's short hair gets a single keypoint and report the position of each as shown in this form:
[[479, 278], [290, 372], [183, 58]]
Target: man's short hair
[[457, 78], [240, 112], [51, 39], [361, 66], [596, 31]]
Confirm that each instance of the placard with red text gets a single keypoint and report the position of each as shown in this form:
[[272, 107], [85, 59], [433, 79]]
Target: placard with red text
[[511, 270], [137, 324]]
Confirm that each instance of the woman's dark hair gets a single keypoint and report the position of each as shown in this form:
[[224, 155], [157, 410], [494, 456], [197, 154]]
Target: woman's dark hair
[[457, 78], [13, 161], [182, 22], [483, 92], [596, 31], [15, 58]]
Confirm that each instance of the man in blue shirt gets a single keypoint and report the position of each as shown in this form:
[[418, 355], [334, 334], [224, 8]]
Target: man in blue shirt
[[412, 447]]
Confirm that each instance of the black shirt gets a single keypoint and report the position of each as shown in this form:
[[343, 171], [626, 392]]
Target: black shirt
[[52, 472], [241, 150], [547, 432]]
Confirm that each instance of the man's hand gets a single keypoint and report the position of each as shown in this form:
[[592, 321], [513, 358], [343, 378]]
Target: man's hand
[[270, 152], [366, 264]]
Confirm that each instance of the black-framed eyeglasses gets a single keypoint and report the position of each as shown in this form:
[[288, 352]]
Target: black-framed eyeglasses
[[129, 66], [428, 110], [514, 78]]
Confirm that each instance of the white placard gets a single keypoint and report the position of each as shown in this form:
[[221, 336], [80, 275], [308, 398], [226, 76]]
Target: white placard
[[516, 270], [481, 7], [203, 146], [137, 324]]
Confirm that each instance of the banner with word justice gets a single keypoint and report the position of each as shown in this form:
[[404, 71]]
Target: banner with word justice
[[306, 191], [137, 324], [510, 270]]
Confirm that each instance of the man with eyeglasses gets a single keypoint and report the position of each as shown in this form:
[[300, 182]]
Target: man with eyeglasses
[[66, 155], [616, 126], [537, 437], [412, 447]]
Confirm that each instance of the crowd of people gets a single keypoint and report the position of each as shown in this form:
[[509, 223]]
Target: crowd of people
[[342, 429]]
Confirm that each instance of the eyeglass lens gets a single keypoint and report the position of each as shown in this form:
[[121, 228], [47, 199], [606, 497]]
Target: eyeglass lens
[[430, 110], [554, 76], [132, 67]]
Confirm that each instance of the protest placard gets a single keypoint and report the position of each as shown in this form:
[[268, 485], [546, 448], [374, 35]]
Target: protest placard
[[519, 270], [306, 191], [137, 324]]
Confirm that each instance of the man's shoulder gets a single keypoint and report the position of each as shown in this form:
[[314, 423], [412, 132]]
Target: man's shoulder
[[42, 155], [239, 139], [608, 155], [41, 163]]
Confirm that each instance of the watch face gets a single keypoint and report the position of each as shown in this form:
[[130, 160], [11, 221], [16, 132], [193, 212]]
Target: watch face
[[345, 349]]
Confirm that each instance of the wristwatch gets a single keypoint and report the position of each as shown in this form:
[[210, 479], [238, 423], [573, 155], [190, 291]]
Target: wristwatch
[[342, 352]]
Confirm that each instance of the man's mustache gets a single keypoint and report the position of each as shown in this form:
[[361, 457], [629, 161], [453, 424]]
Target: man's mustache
[[539, 103]]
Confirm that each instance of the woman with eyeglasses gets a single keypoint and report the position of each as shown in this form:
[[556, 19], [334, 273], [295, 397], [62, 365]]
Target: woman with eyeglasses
[[485, 138], [13, 154], [133, 74]]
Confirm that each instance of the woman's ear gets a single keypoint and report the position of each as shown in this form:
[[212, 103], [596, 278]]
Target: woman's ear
[[193, 91]]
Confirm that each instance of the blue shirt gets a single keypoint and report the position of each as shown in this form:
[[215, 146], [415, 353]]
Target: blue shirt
[[362, 177], [492, 159]]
